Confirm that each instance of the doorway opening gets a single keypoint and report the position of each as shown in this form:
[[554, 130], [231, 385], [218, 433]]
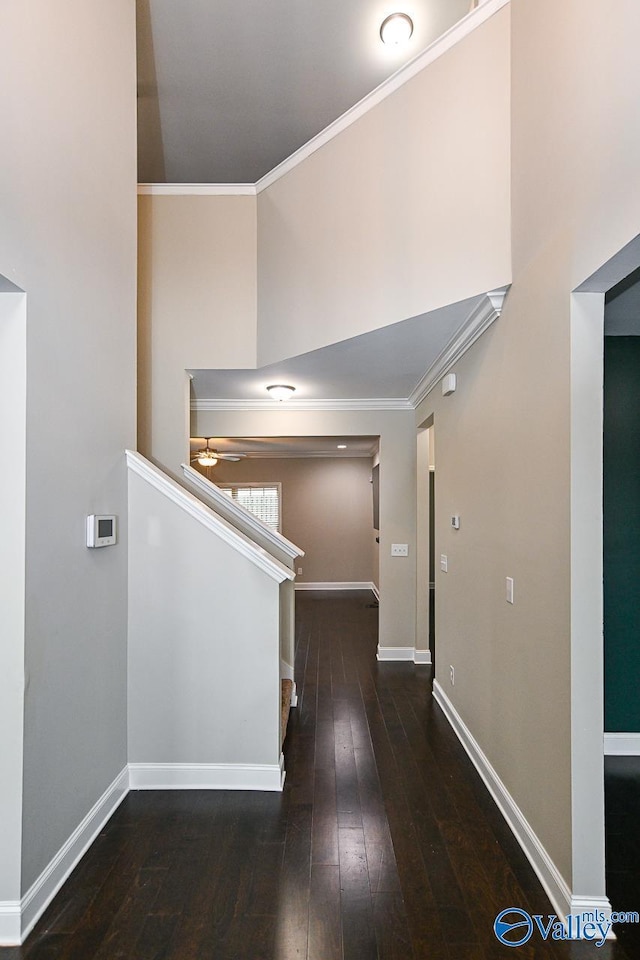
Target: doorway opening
[[322, 492], [425, 544], [621, 574], [593, 473]]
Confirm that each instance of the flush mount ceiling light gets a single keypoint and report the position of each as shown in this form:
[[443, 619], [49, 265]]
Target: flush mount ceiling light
[[280, 391], [396, 29]]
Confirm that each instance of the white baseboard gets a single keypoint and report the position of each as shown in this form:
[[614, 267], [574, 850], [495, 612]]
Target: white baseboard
[[336, 585], [375, 591], [294, 695], [10, 923], [622, 744], [422, 656], [546, 871], [42, 892], [404, 653], [207, 776], [548, 874]]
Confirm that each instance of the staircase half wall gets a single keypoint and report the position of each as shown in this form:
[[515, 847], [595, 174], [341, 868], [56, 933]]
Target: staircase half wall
[[204, 644]]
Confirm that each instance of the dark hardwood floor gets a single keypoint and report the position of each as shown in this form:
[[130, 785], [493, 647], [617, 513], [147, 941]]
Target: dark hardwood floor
[[622, 805], [384, 843]]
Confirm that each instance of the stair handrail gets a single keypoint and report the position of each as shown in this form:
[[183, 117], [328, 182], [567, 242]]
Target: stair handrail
[[207, 516], [245, 517]]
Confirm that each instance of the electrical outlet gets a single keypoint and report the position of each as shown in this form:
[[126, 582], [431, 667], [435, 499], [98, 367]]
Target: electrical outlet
[[452, 675], [299, 571]]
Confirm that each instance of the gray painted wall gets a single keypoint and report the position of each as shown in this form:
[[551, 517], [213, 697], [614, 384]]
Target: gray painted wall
[[204, 659], [68, 238]]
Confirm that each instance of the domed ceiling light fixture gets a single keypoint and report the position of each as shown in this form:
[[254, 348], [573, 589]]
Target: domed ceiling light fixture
[[396, 29], [280, 391]]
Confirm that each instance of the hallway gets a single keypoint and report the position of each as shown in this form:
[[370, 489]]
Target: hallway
[[384, 843]]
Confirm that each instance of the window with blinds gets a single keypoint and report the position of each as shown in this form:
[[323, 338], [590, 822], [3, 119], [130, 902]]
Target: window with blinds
[[262, 499]]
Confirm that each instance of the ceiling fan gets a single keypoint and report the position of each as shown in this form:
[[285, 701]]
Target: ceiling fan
[[209, 456]]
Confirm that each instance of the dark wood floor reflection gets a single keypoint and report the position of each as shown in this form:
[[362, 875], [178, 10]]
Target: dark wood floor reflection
[[384, 844]]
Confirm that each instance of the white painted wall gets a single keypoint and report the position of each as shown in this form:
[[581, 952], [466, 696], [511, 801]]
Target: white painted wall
[[397, 575], [68, 238], [204, 658]]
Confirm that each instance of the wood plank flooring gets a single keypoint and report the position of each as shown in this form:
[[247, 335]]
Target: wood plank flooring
[[384, 843]]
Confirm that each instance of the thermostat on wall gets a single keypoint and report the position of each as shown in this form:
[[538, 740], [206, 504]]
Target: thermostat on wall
[[101, 530]]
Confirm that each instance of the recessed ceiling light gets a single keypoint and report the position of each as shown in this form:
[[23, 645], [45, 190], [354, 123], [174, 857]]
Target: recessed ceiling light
[[342, 446], [281, 391], [396, 29]]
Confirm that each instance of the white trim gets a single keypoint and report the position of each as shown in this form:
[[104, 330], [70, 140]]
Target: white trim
[[482, 316], [475, 18], [44, 889], [356, 403], [197, 189], [294, 695], [545, 869], [375, 591], [403, 655], [335, 585], [206, 516], [622, 744], [422, 656], [207, 776], [244, 516], [303, 454], [407, 72], [10, 923]]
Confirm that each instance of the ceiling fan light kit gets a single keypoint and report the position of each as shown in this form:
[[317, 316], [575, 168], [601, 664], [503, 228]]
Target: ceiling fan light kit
[[209, 457]]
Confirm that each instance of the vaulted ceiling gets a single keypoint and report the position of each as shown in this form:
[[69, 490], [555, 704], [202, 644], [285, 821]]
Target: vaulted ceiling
[[228, 89]]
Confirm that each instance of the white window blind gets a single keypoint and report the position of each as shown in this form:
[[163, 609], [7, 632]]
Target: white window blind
[[262, 499]]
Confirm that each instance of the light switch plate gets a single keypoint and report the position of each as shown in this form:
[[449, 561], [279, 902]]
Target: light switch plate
[[399, 549], [509, 589], [444, 563]]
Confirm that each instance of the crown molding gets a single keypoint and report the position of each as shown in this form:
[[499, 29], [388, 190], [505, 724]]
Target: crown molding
[[482, 316], [407, 72], [362, 403], [197, 189], [474, 19], [303, 455]]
